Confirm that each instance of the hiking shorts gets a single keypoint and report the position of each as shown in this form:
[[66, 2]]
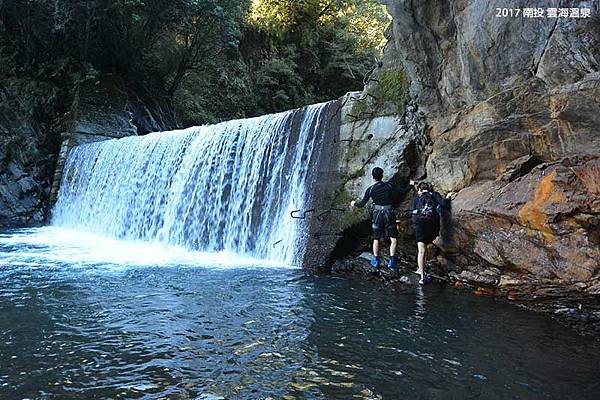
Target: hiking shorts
[[384, 224], [426, 230]]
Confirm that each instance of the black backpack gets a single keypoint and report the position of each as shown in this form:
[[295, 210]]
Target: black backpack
[[426, 207]]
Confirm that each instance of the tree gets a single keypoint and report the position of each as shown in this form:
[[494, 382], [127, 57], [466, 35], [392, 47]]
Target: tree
[[215, 59]]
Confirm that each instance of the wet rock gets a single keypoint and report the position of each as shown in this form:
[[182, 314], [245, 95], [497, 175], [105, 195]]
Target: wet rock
[[15, 170], [24, 161], [27, 184], [361, 267], [506, 280], [512, 120], [352, 267], [484, 291], [593, 288], [486, 278]]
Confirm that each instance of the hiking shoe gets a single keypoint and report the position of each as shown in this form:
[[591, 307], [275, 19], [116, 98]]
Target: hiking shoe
[[375, 262], [393, 264]]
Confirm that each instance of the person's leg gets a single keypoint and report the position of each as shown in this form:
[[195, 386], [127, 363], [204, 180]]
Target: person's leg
[[422, 249], [376, 261], [376, 248], [393, 246], [393, 264], [392, 233]]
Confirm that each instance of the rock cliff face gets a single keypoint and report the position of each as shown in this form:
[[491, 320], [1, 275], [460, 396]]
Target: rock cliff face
[[26, 150], [512, 108], [40, 122], [504, 111]]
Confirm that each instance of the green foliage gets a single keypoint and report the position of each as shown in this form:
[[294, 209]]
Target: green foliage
[[387, 97], [289, 53], [156, 41], [213, 59], [394, 88], [364, 19], [280, 16], [279, 84]]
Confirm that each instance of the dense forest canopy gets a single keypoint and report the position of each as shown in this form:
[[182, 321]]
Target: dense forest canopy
[[211, 59]]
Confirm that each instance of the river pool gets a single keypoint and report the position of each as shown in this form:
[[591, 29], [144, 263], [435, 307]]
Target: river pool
[[83, 317]]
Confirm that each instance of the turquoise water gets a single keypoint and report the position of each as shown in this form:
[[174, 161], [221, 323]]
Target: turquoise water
[[87, 318]]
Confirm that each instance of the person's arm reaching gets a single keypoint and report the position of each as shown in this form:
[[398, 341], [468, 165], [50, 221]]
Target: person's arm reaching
[[364, 200], [449, 197], [444, 202]]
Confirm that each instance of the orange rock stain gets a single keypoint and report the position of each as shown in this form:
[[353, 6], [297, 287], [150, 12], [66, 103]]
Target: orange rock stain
[[532, 213]]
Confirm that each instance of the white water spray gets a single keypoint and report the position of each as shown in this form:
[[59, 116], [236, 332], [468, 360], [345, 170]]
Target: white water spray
[[226, 187]]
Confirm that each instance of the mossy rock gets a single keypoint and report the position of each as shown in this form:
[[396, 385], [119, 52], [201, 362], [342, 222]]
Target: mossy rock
[[352, 216], [394, 88], [387, 96]]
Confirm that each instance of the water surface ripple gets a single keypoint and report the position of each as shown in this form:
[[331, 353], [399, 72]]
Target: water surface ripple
[[107, 328]]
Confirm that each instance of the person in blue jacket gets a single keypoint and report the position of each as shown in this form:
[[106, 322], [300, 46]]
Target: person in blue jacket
[[384, 218]]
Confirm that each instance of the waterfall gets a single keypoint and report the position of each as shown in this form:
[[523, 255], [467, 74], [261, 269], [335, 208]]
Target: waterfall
[[224, 187]]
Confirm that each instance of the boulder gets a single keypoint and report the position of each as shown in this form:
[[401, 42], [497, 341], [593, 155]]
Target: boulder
[[544, 223]]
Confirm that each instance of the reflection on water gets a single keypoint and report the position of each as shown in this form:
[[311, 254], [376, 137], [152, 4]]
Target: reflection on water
[[94, 327]]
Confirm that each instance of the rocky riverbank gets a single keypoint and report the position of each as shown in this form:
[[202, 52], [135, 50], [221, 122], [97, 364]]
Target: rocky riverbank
[[567, 302], [503, 111]]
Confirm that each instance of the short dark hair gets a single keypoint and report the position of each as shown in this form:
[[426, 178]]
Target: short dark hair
[[424, 186], [377, 173]]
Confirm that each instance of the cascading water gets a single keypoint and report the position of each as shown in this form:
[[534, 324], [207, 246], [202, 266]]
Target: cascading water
[[226, 187]]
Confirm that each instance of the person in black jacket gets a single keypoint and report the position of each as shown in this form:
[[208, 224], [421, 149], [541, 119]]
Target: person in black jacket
[[427, 209], [384, 218]]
